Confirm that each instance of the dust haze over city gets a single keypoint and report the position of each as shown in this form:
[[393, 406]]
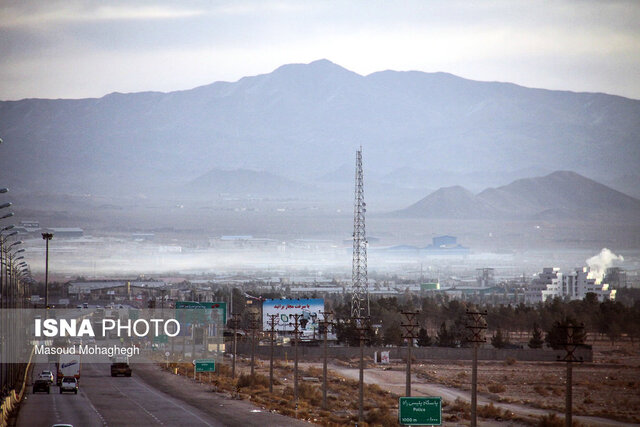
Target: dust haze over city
[[472, 166], [526, 158]]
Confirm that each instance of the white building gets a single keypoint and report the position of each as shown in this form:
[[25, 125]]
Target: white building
[[552, 283]]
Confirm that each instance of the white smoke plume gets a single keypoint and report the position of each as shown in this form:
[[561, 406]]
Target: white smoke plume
[[598, 264]]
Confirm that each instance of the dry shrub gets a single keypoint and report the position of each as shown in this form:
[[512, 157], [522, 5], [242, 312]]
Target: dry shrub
[[255, 380], [223, 369], [287, 393], [558, 391], [313, 372], [508, 415], [552, 420], [510, 361], [451, 418], [375, 388], [497, 388], [461, 406], [310, 393], [540, 390], [381, 417], [489, 411], [288, 412], [338, 420]]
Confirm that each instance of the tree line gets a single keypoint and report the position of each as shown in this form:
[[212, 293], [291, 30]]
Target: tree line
[[442, 321]]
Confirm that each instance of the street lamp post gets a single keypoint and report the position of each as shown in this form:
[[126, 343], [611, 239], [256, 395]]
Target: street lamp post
[[4, 272], [47, 237]]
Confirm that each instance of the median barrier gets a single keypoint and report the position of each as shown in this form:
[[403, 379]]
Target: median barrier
[[11, 402]]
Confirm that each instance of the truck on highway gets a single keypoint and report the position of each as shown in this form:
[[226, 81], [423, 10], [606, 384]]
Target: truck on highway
[[68, 366], [120, 366]]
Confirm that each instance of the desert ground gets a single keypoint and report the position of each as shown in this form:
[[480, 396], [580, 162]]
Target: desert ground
[[511, 392]]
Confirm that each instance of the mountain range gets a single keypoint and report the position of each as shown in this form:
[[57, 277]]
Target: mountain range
[[559, 195], [302, 121], [243, 182]]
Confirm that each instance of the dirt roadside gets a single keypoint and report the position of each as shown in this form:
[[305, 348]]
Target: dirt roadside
[[394, 381]]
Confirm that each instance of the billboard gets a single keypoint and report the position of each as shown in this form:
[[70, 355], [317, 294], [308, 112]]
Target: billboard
[[310, 309]]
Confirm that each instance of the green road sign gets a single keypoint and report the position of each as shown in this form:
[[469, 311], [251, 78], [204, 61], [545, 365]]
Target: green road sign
[[221, 306], [420, 411], [429, 286], [205, 365], [161, 339]]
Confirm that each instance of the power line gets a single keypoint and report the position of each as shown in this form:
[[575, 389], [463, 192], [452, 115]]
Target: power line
[[410, 334], [477, 324], [324, 324]]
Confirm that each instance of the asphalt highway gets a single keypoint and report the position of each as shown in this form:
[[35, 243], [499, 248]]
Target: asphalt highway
[[131, 401]]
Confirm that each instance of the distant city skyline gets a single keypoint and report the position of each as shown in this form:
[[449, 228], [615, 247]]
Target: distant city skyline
[[78, 49]]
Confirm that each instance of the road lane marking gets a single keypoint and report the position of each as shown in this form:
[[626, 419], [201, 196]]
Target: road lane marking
[[174, 403], [139, 405], [104, 422], [55, 409]]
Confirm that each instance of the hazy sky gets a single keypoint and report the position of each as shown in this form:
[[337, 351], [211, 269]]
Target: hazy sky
[[79, 48]]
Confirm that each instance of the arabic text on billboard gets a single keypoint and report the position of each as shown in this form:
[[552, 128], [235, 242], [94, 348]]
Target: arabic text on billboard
[[310, 309]]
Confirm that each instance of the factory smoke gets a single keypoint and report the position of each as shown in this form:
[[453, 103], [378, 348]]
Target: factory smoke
[[598, 264]]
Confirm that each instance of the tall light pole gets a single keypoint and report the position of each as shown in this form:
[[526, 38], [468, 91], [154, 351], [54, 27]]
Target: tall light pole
[[4, 368], [3, 261], [47, 237], [18, 242]]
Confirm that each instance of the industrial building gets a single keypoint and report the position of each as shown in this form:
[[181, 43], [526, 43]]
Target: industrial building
[[552, 283], [115, 290]]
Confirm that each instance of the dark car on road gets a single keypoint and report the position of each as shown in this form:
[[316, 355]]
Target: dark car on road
[[42, 385]]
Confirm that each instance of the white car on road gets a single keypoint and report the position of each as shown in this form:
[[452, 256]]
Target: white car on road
[[69, 384], [46, 375]]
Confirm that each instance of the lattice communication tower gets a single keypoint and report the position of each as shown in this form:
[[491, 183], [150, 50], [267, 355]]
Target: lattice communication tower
[[360, 289]]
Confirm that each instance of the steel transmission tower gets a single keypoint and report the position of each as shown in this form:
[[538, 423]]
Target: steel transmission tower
[[360, 289]]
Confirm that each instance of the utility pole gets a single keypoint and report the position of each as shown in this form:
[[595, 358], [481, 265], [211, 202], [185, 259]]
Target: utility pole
[[571, 338], [194, 331], [296, 331], [410, 334], [253, 325], [325, 323], [235, 321], [362, 329], [273, 321], [47, 237], [477, 324]]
